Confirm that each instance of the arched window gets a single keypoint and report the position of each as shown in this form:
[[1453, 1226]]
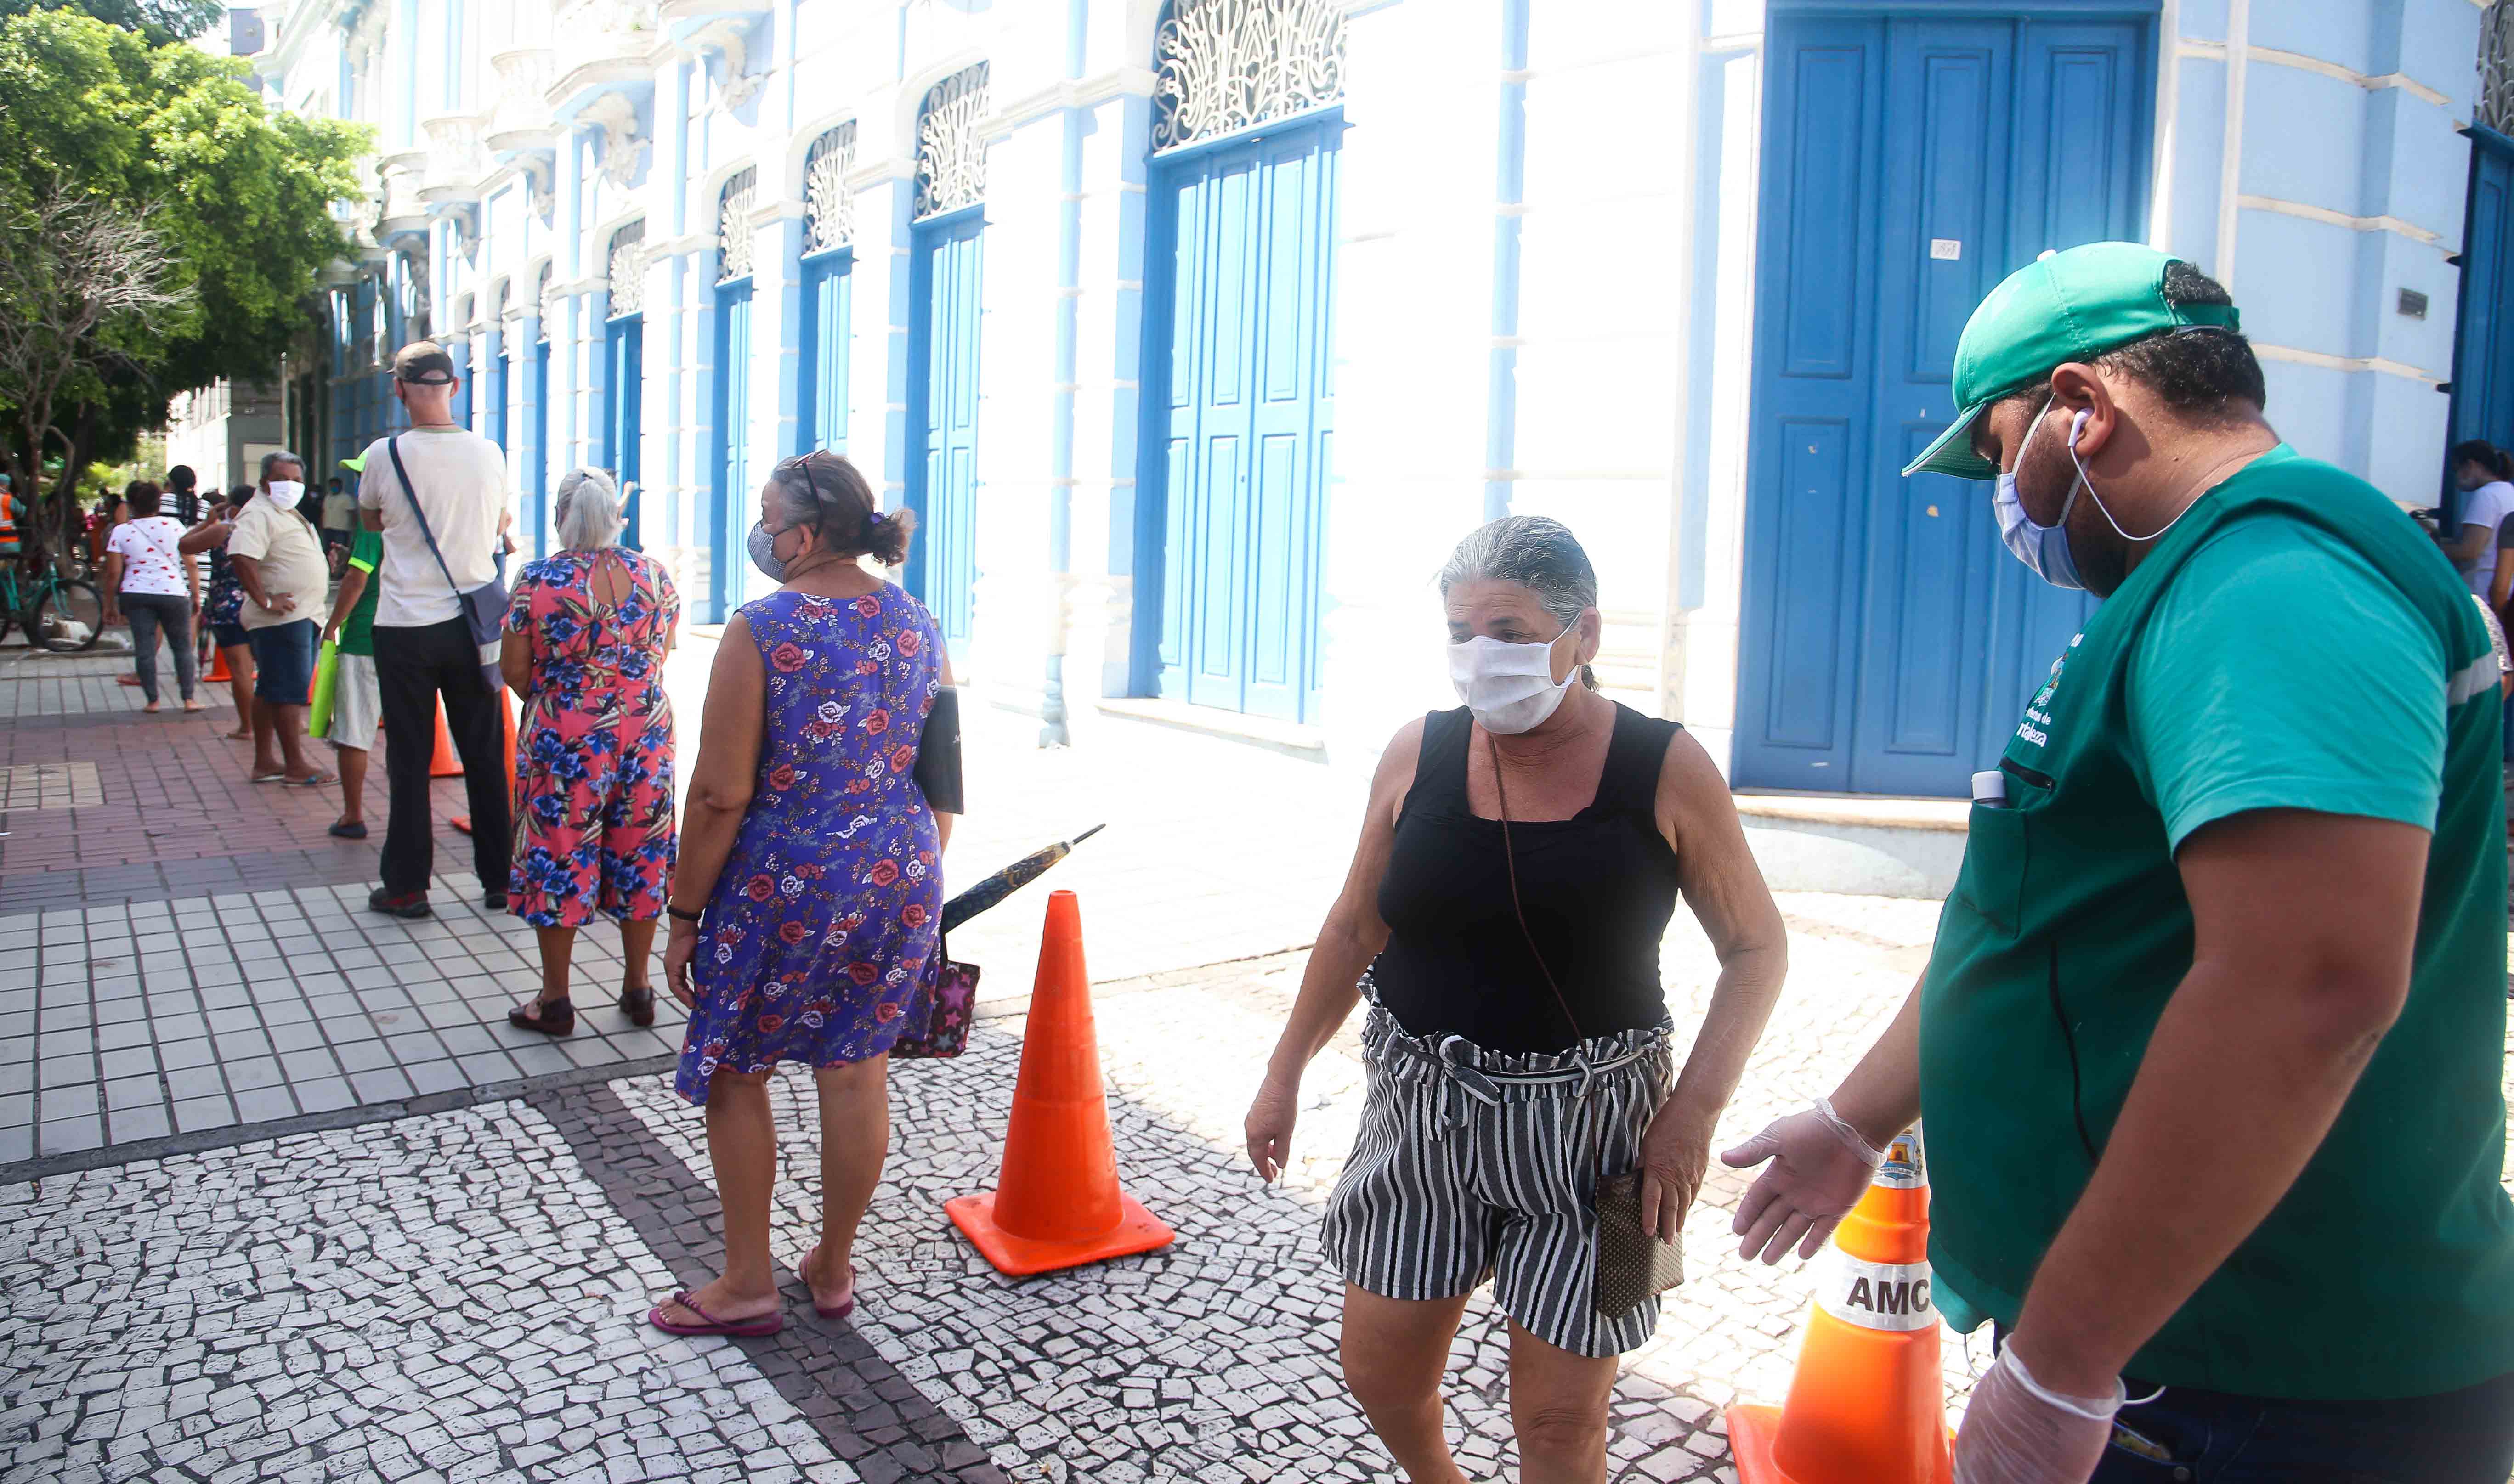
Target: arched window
[[2495, 106], [541, 301], [951, 153], [1229, 64], [733, 225], [629, 269], [829, 209]]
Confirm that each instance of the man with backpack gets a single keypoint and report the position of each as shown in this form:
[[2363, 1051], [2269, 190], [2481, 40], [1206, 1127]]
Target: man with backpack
[[435, 493]]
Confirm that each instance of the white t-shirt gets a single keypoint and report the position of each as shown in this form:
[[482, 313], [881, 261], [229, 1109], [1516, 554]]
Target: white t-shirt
[[462, 477], [150, 562], [291, 557], [2487, 505]]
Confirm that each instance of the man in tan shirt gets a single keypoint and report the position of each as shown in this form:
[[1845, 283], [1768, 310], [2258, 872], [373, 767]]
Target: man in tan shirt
[[278, 562]]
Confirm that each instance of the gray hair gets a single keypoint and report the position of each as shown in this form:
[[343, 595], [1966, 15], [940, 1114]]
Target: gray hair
[[1533, 551], [587, 511], [277, 456]]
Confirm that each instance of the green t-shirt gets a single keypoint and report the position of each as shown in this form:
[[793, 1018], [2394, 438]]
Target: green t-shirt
[[359, 631], [2294, 643]]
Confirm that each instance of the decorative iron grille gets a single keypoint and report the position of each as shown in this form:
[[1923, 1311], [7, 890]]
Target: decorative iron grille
[[2495, 106], [830, 209], [1230, 64], [951, 153], [629, 269], [733, 225]]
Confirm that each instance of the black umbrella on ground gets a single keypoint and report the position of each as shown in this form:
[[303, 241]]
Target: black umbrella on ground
[[1010, 879]]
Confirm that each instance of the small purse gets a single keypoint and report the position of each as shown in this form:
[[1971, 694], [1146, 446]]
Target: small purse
[[949, 1007], [1632, 1263]]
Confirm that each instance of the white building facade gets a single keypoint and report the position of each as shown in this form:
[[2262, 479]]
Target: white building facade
[[1197, 332]]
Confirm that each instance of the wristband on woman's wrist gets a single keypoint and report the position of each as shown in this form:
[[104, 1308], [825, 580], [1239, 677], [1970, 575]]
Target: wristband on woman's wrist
[[679, 915]]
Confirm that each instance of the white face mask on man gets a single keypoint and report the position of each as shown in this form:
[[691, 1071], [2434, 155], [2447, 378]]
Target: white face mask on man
[[285, 493], [1510, 687]]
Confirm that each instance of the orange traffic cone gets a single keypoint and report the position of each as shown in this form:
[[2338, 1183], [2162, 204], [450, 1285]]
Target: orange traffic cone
[[462, 821], [1868, 1404], [444, 764], [218, 666], [1057, 1202]]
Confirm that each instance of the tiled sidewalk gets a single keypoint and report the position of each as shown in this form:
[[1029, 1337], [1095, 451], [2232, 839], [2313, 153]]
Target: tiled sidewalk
[[160, 1018]]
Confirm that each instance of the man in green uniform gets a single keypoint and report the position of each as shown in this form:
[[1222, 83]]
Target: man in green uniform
[[358, 696], [2210, 1042]]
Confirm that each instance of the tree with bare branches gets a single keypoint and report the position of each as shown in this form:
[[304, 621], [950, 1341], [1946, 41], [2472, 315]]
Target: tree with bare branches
[[87, 287]]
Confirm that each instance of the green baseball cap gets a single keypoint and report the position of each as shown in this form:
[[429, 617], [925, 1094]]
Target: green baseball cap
[[2061, 307]]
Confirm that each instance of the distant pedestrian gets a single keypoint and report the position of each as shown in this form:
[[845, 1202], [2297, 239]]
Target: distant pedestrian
[[150, 583], [182, 499], [340, 522], [439, 523], [1519, 861], [223, 612], [585, 640], [278, 561], [806, 913], [357, 703], [2484, 475], [10, 545]]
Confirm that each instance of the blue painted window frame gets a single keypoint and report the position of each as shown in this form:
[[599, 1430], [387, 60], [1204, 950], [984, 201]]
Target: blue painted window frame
[[821, 392], [623, 347], [729, 476]]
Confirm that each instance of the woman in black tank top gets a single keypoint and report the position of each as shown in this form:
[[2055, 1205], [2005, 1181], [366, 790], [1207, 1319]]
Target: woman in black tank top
[[1518, 865]]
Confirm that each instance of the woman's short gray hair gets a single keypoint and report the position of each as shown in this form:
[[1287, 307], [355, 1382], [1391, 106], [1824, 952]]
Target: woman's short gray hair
[[277, 456], [1535, 552], [587, 511]]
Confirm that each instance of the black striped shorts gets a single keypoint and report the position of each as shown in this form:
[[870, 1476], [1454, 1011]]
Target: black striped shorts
[[1455, 1178]]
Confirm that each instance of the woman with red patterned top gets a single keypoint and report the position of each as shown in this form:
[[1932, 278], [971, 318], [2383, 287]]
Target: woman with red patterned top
[[817, 861]]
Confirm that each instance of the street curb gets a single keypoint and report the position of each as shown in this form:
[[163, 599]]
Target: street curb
[[234, 1136]]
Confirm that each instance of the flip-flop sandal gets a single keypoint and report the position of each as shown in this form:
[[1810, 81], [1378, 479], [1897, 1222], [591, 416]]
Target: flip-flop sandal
[[828, 1310], [271, 778], [316, 782], [735, 1329]]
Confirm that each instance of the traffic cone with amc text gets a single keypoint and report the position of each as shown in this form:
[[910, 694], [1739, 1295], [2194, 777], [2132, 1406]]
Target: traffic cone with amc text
[[1057, 1202], [218, 671], [1868, 1404], [444, 764]]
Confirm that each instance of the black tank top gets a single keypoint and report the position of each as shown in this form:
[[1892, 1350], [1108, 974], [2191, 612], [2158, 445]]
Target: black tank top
[[1597, 889]]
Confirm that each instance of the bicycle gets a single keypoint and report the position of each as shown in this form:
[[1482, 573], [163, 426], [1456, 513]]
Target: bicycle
[[64, 615]]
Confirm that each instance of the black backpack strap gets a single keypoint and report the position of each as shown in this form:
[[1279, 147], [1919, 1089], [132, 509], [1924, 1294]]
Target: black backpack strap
[[392, 446]]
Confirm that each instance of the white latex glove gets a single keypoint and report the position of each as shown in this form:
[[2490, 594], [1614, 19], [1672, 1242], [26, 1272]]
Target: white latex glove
[[2018, 1432], [1820, 1168]]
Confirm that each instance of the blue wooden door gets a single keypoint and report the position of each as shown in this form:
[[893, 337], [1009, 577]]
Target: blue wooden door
[[1911, 163], [624, 346], [945, 262], [826, 342], [492, 396], [2483, 377], [736, 492], [537, 476], [1241, 450]]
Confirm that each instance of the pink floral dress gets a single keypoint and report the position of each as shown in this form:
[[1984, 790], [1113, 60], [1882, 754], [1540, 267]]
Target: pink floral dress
[[823, 924], [594, 762]]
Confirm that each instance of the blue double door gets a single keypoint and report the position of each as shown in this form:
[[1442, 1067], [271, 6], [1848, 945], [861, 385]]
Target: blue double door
[[624, 343], [736, 485], [946, 259], [2483, 377], [1911, 162], [1240, 424]]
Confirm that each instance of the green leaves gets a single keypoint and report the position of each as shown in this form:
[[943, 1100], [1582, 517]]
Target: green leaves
[[241, 192]]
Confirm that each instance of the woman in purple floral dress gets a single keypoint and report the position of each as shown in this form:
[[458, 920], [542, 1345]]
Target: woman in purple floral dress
[[807, 909]]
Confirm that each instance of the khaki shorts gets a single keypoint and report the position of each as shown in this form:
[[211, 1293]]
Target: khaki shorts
[[357, 703]]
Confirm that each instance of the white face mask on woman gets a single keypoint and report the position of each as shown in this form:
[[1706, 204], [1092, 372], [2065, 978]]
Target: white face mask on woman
[[1510, 687]]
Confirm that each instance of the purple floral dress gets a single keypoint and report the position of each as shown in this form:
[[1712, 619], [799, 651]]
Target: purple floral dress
[[823, 924]]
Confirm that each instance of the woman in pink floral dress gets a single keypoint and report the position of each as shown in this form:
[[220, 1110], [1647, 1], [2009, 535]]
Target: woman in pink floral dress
[[587, 634], [807, 911]]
